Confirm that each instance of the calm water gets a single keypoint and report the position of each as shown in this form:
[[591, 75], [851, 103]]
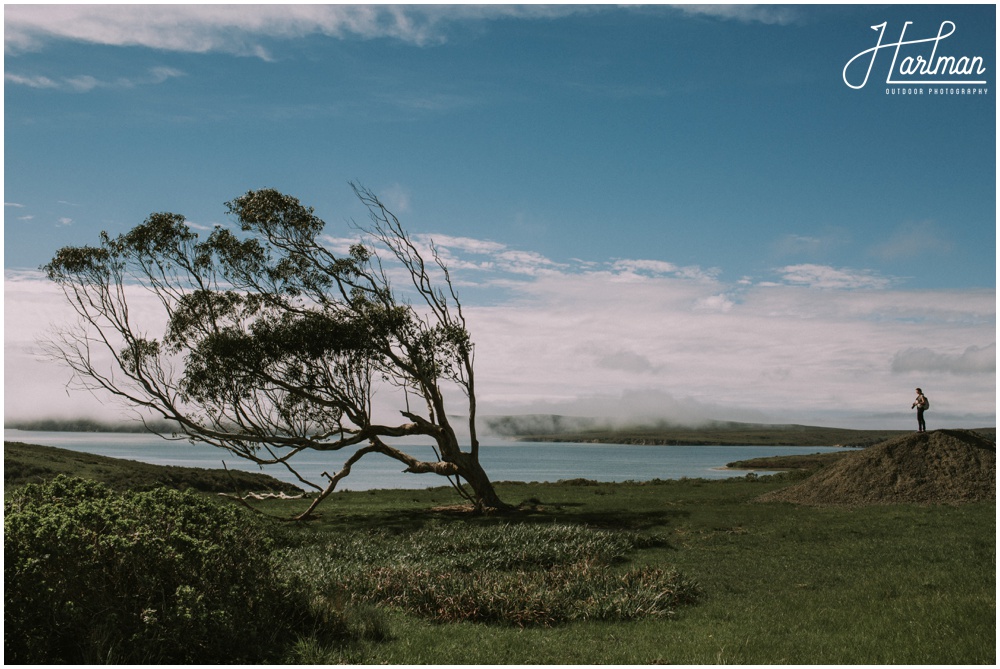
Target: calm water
[[503, 460]]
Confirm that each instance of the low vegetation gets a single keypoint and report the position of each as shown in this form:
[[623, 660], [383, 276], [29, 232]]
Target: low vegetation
[[808, 462], [27, 463], [92, 576], [510, 574], [685, 571]]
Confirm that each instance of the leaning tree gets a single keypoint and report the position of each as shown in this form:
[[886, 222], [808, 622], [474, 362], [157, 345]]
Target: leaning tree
[[274, 344]]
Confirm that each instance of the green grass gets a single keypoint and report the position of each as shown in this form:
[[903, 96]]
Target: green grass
[[780, 583], [774, 583], [515, 574]]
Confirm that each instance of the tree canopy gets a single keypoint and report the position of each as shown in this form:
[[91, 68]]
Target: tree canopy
[[274, 343]]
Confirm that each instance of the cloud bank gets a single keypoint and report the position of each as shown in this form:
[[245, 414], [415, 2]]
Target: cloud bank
[[646, 340], [973, 360]]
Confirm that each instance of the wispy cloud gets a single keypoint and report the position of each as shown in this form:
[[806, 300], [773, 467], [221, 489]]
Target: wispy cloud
[[768, 14], [811, 246], [973, 360], [242, 29], [18, 205], [630, 267], [199, 226], [912, 240], [484, 255], [84, 82], [823, 276]]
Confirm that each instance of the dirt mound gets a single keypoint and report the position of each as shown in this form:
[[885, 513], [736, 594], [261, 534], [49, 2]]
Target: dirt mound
[[939, 467]]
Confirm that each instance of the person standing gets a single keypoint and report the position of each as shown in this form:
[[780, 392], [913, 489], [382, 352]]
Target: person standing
[[921, 404]]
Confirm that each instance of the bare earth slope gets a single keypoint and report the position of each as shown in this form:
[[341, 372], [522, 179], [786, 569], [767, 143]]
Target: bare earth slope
[[939, 467]]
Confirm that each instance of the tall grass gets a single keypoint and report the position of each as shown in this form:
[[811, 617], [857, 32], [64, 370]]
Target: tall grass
[[521, 575]]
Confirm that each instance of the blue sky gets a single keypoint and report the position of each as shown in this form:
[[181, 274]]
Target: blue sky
[[687, 205]]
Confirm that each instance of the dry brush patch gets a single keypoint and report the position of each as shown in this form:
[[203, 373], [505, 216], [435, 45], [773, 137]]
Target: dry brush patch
[[520, 575]]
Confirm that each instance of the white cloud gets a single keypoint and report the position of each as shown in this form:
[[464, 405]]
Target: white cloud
[[64, 221], [783, 353], [201, 227], [339, 245], [467, 244], [768, 14], [823, 276], [973, 360], [638, 266], [630, 268], [477, 254], [719, 302], [240, 29], [36, 387], [13, 204], [31, 82], [595, 340], [84, 82], [620, 359]]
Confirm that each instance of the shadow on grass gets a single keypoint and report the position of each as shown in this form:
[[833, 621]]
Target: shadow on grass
[[533, 511]]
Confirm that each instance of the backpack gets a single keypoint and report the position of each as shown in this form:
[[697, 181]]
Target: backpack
[[927, 403]]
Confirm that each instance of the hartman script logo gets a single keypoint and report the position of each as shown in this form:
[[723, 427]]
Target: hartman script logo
[[916, 62]]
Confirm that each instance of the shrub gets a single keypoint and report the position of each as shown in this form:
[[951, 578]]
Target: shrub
[[92, 575]]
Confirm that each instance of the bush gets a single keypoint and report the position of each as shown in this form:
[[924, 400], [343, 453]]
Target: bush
[[95, 576]]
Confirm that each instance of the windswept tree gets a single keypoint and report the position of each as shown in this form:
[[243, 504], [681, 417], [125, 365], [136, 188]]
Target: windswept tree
[[274, 344]]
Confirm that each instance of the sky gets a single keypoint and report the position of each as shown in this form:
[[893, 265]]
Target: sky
[[651, 212]]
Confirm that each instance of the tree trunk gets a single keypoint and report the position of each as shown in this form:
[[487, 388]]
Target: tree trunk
[[474, 474]]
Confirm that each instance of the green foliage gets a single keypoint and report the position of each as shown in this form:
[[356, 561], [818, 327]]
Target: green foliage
[[91, 575], [521, 575]]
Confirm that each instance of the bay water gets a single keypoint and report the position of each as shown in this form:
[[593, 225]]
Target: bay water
[[503, 460]]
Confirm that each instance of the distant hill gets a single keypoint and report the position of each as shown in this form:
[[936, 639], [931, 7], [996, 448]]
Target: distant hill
[[90, 425], [29, 463], [552, 428]]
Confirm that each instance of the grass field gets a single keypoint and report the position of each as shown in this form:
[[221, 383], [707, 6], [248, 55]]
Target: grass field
[[782, 584], [779, 583]]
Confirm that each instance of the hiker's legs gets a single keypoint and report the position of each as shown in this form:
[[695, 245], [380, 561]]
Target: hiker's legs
[[921, 426]]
